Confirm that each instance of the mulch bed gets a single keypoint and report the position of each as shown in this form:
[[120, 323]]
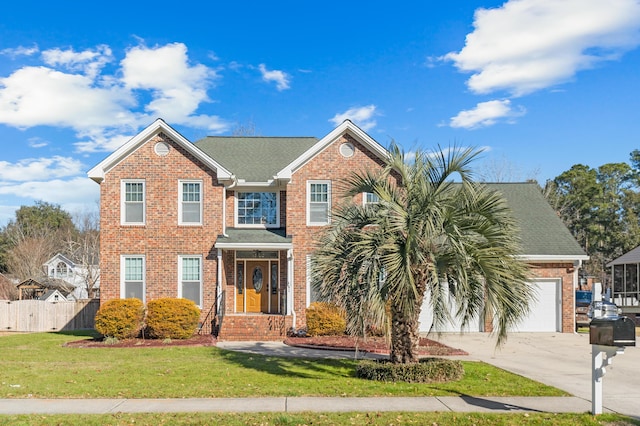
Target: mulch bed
[[372, 345], [197, 340]]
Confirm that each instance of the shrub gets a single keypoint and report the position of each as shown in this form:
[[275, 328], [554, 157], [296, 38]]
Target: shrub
[[428, 370], [120, 318], [172, 318], [325, 319]]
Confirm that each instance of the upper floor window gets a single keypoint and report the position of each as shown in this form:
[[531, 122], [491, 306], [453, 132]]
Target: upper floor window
[[133, 202], [190, 206], [258, 208], [132, 275], [318, 202], [62, 270], [190, 279], [370, 198]]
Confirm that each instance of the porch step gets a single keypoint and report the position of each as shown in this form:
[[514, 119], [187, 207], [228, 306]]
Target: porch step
[[260, 327]]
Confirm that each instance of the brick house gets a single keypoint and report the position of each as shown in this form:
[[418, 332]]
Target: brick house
[[229, 222]]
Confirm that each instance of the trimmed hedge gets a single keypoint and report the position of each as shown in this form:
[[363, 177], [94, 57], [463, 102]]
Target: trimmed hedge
[[325, 319], [428, 370], [172, 318], [120, 318]]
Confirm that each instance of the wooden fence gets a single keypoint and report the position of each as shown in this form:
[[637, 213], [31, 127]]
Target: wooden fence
[[38, 315]]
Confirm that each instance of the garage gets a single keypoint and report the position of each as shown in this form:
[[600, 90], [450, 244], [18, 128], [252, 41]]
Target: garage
[[545, 311]]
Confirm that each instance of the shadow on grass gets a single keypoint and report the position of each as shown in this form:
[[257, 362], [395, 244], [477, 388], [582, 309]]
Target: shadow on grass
[[309, 368], [80, 333]]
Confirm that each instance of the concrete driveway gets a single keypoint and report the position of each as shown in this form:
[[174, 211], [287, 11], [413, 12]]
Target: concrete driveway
[[560, 360]]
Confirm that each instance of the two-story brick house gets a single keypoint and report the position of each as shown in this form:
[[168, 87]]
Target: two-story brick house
[[229, 222]]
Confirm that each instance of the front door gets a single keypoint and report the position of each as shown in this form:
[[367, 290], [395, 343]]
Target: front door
[[257, 285]]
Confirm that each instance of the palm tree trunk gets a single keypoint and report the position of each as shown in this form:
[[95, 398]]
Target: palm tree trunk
[[405, 335]]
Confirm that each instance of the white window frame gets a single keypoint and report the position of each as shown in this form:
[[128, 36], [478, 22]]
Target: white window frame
[[365, 196], [181, 280], [123, 274], [181, 202], [328, 202], [123, 201], [256, 225]]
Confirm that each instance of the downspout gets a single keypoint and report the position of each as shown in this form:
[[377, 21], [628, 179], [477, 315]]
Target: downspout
[[290, 309], [219, 289], [576, 277]]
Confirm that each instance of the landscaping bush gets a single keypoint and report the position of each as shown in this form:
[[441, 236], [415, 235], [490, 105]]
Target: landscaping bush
[[428, 370], [120, 318], [325, 319], [171, 318]]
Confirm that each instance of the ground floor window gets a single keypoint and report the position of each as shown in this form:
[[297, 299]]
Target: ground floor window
[[132, 277], [190, 278]]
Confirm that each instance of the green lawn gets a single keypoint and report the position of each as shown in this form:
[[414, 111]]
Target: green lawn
[[320, 419], [37, 365]]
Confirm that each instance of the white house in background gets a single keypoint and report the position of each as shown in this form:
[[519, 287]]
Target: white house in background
[[63, 268], [55, 296]]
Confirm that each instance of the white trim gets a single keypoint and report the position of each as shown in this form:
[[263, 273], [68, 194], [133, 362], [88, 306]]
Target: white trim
[[364, 199], [181, 183], [552, 258], [123, 193], [346, 127], [180, 280], [99, 172], [308, 202], [123, 270], [308, 280], [253, 246]]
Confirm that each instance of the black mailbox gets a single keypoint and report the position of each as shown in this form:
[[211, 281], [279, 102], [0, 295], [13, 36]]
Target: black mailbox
[[612, 331]]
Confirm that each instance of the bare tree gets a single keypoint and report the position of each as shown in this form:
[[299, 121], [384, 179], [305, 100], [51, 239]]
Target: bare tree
[[245, 129], [83, 248], [29, 251]]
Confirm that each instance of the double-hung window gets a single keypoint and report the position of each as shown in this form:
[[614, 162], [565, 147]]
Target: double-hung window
[[258, 209], [318, 202], [133, 202], [370, 198], [190, 278], [132, 273], [190, 204]]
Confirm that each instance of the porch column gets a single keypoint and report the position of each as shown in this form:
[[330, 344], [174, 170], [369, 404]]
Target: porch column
[[219, 286], [290, 304]]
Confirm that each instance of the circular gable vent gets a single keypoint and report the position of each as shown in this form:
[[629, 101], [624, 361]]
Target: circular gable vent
[[347, 150], [161, 149]]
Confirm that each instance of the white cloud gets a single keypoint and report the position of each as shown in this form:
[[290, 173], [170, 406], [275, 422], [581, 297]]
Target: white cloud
[[105, 110], [40, 168], [90, 62], [281, 78], [19, 51], [362, 116], [37, 142], [71, 194], [486, 114], [528, 45]]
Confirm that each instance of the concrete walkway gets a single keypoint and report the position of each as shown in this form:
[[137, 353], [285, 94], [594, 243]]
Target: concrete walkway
[[560, 360], [295, 404]]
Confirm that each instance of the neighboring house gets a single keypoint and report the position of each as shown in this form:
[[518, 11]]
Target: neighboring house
[[55, 296], [230, 223], [62, 268], [35, 288], [625, 282]]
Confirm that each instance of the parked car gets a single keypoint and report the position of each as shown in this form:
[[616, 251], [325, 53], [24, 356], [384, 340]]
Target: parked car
[[607, 309]]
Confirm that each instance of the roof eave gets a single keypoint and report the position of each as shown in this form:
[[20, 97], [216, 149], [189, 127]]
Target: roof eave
[[98, 172]]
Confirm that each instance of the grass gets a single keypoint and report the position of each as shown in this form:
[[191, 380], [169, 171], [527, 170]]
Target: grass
[[281, 419], [37, 365]]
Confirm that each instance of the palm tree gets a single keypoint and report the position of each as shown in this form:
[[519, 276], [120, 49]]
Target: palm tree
[[427, 236]]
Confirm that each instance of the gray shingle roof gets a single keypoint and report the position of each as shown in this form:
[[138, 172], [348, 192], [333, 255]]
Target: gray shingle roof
[[632, 256], [255, 159], [542, 232]]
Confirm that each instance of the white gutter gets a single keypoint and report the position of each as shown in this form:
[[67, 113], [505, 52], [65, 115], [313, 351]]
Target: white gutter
[[219, 289], [290, 304]]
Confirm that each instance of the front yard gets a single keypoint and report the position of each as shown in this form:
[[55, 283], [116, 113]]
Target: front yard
[[37, 365]]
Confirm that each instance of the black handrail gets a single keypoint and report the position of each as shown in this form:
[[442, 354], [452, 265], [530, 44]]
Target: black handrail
[[212, 323]]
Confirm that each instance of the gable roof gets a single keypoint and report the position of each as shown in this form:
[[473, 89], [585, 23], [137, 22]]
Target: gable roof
[[255, 159], [347, 127], [159, 126], [632, 256], [59, 258], [543, 234]]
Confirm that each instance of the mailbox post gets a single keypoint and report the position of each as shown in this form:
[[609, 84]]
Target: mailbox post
[[608, 337]]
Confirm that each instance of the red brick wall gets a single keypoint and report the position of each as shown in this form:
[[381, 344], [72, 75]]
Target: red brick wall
[[327, 165], [161, 239]]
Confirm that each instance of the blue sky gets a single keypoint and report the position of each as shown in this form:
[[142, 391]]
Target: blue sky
[[540, 85]]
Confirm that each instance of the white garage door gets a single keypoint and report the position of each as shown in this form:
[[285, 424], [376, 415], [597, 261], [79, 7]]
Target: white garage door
[[426, 320], [544, 315]]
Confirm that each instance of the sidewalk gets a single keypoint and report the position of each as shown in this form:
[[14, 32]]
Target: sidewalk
[[296, 404]]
